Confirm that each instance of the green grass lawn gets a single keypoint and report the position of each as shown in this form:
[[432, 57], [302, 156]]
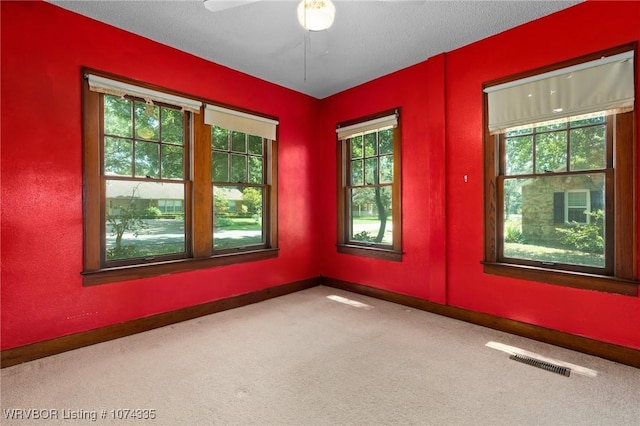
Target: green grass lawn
[[224, 243], [135, 248], [238, 224], [550, 254], [368, 220]]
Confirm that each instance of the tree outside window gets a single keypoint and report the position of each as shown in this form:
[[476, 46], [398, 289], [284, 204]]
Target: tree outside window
[[152, 186], [560, 173], [369, 200]]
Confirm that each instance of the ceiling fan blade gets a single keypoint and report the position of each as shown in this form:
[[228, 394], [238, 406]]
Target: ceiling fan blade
[[218, 5]]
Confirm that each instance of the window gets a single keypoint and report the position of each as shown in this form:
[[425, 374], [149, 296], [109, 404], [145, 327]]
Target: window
[[560, 173], [171, 206], [578, 208], [549, 174], [144, 150], [369, 193], [239, 190], [153, 168]]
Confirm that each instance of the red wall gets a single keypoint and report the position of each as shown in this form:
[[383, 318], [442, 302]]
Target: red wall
[[441, 101], [579, 30], [43, 48], [419, 93]]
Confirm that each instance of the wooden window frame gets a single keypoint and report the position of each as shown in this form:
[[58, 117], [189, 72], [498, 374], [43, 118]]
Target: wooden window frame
[[393, 251], [198, 201], [621, 276]]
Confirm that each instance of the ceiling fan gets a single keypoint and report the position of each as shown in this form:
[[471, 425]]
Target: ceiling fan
[[313, 15]]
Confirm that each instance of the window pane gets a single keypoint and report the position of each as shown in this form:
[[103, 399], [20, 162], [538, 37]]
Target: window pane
[[147, 159], [370, 144], [371, 215], [171, 206], [519, 151], [255, 145], [577, 215], [587, 121], [238, 142], [577, 198], [518, 132], [117, 157], [220, 138], [371, 171], [356, 147], [134, 224], [255, 169], [588, 148], [238, 168], [538, 219], [172, 130], [554, 126], [220, 169], [238, 214], [147, 123], [172, 163], [117, 116], [386, 169], [356, 172], [551, 152], [577, 206], [386, 141]]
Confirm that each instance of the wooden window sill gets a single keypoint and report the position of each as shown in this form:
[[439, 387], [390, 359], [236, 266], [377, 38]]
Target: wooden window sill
[[124, 273], [585, 281], [375, 252]]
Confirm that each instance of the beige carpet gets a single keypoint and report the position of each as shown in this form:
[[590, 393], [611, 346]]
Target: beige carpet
[[307, 359]]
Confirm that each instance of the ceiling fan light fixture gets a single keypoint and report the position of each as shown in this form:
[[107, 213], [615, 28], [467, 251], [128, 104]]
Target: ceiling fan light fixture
[[316, 15]]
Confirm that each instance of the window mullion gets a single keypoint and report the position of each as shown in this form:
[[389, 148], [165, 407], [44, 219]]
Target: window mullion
[[183, 188], [202, 192], [625, 190]]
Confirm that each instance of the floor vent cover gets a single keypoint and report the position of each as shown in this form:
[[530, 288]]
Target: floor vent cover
[[541, 364]]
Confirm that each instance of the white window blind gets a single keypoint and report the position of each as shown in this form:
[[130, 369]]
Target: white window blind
[[605, 84], [118, 88], [359, 128], [240, 121]]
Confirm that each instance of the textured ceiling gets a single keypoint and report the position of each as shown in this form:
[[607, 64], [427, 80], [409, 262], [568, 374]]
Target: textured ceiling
[[368, 39]]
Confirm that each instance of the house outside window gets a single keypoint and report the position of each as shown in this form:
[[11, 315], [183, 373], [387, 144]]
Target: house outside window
[[549, 174], [148, 196], [558, 146], [369, 196]]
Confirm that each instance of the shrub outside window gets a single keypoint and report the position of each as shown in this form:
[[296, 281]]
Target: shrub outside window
[[553, 186], [559, 152]]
